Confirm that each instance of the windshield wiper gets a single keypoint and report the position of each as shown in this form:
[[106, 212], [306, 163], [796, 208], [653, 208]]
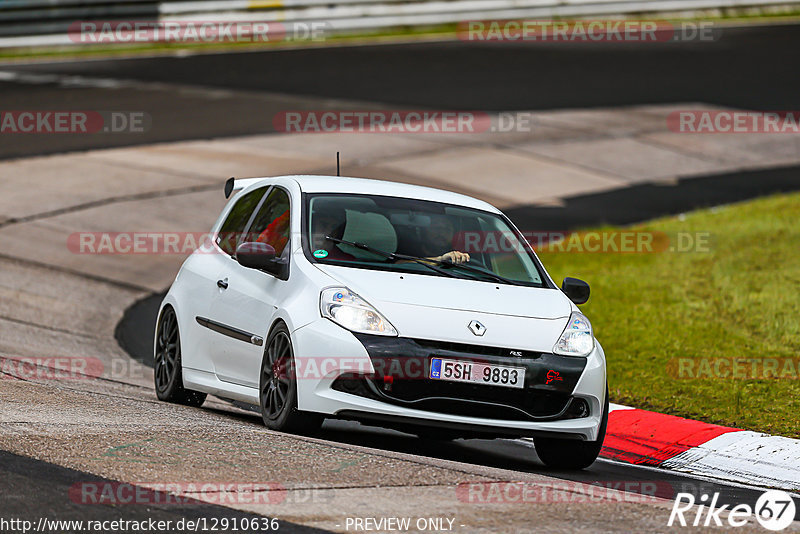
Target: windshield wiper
[[496, 277], [427, 262], [391, 255]]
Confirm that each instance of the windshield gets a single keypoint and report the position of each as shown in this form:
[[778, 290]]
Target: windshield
[[392, 233]]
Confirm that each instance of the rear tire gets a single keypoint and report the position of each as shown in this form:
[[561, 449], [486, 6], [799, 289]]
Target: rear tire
[[572, 454], [167, 369], [278, 387]]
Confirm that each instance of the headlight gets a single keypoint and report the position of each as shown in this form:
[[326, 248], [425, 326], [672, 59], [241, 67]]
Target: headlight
[[577, 338], [350, 311]]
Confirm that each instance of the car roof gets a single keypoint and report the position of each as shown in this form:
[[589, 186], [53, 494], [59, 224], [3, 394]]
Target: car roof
[[343, 184]]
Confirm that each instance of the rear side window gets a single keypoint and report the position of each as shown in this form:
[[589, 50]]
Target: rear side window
[[234, 225]]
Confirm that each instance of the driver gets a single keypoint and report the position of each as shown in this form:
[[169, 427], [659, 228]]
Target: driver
[[437, 237]]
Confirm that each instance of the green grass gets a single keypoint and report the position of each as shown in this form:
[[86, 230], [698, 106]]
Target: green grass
[[740, 299]]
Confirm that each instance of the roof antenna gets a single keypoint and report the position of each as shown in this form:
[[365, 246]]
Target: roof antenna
[[337, 165]]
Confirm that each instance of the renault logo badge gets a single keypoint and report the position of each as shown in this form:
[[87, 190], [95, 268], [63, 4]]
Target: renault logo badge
[[476, 328]]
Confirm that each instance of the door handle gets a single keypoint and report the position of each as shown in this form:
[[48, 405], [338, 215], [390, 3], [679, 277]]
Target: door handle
[[222, 284]]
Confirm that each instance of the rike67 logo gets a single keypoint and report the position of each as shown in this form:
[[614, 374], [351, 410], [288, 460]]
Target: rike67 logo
[[774, 510]]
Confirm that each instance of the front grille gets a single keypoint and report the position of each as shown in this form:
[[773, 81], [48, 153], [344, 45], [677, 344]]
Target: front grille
[[440, 347]]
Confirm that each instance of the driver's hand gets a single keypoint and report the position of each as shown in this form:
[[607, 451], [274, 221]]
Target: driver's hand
[[454, 256]]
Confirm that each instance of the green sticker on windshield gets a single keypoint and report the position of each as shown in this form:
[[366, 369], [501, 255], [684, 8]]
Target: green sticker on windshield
[[320, 253]]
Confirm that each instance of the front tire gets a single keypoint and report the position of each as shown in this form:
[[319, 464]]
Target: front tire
[[278, 387], [572, 454], [167, 369]]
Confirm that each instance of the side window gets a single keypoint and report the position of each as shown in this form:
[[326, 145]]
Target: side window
[[232, 228], [271, 224]]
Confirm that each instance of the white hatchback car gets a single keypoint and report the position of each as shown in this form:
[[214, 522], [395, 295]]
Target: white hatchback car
[[391, 304]]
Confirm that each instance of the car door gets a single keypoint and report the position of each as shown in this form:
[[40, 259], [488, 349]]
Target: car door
[[215, 264], [246, 306]]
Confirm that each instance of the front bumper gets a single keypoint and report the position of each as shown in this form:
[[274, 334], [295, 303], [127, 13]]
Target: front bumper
[[402, 370], [385, 379]]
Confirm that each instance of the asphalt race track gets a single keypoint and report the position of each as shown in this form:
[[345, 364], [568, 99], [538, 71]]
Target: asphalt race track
[[27, 481], [224, 95]]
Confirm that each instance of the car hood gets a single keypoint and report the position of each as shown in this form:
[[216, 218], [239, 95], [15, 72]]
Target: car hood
[[382, 287]]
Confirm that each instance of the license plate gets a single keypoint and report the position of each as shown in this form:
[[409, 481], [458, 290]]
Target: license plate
[[477, 373]]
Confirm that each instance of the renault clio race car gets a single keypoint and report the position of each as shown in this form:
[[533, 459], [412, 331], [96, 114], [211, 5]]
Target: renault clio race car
[[391, 304]]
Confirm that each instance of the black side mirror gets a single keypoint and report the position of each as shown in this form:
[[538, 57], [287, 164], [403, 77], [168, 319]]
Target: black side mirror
[[576, 290], [260, 256]]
